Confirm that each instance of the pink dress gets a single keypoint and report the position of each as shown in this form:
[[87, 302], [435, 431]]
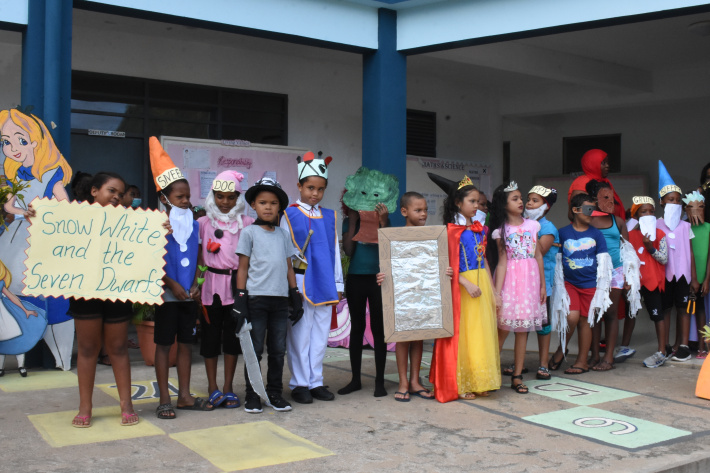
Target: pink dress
[[521, 311]]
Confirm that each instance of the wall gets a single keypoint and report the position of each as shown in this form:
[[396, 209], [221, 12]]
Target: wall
[[10, 67], [675, 132], [324, 86]]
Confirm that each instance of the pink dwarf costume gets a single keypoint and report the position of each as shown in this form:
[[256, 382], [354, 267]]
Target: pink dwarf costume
[[521, 311], [219, 235]]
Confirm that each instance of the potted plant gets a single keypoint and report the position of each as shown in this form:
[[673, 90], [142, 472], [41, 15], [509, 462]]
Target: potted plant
[[144, 320], [702, 388]]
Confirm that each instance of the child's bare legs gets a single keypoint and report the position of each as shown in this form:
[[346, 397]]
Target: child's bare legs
[[661, 335], [89, 339], [116, 346], [230, 367], [543, 343], [184, 366], [611, 324], [502, 335], [699, 324], [521, 342], [667, 319], [416, 350], [572, 322], [162, 368], [211, 370], [629, 324], [585, 341], [401, 351]]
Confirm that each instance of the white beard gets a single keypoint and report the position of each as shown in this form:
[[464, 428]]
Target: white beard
[[671, 215], [535, 214], [230, 221]]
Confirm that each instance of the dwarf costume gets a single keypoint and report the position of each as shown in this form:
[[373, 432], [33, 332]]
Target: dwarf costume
[[320, 282]]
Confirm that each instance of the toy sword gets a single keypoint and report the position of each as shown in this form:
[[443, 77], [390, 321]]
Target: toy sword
[[300, 263]]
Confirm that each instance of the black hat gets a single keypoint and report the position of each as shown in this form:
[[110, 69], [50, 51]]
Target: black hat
[[267, 184], [445, 184]]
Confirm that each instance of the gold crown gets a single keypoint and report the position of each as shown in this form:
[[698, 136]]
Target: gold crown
[[466, 181]]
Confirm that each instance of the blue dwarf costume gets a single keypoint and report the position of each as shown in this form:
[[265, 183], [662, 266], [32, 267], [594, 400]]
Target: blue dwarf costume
[[320, 282]]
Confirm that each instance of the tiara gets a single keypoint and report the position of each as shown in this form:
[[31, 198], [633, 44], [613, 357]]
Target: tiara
[[466, 181], [513, 186]]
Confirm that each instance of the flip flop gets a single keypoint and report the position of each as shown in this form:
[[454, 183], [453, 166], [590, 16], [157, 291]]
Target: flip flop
[[605, 366], [233, 398], [199, 405], [216, 398], [419, 394], [581, 370], [401, 399], [161, 412], [126, 416], [83, 424], [508, 370]]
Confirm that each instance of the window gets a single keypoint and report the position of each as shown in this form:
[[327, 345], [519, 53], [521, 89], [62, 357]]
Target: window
[[421, 133], [574, 147], [144, 107]]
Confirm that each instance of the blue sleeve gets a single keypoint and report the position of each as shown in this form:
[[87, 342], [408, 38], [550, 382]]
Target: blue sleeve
[[58, 177], [547, 229], [601, 242]]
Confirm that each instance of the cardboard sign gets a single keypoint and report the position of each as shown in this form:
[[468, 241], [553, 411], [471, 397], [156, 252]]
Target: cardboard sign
[[85, 250]]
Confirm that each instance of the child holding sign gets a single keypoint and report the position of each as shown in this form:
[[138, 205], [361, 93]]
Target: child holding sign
[[178, 314], [103, 322], [219, 234]]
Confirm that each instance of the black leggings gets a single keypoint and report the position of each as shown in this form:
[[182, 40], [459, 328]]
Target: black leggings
[[361, 288]]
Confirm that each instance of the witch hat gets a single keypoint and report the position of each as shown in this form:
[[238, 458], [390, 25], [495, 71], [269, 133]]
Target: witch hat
[[445, 184], [666, 184], [164, 170]]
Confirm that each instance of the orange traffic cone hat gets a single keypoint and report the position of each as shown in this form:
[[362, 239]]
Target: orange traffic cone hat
[[164, 170]]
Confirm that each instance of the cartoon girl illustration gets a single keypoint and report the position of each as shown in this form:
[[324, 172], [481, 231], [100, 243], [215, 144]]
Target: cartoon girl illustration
[[32, 157], [22, 324]]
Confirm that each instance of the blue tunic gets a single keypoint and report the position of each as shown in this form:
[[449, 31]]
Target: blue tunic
[[181, 266], [468, 258], [319, 279]]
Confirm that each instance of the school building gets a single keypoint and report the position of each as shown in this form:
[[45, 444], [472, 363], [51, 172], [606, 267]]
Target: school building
[[520, 85]]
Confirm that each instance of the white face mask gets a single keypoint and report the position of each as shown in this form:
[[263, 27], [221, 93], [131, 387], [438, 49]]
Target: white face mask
[[535, 214], [671, 215], [480, 217], [647, 225], [181, 221]]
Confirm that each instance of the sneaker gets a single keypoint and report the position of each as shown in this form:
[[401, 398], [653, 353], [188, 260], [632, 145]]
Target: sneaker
[[682, 354], [622, 354], [301, 395], [669, 351], [655, 360], [279, 403], [253, 404], [322, 394]]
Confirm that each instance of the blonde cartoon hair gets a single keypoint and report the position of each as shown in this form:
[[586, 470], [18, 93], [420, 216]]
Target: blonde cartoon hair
[[5, 274], [47, 155]]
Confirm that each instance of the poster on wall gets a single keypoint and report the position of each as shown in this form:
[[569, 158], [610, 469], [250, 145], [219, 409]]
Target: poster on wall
[[417, 179], [201, 161]]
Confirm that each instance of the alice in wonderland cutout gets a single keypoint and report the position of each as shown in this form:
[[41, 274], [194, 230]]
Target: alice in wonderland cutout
[[32, 161]]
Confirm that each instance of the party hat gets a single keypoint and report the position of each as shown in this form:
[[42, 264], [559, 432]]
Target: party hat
[[164, 170], [665, 181], [309, 166]]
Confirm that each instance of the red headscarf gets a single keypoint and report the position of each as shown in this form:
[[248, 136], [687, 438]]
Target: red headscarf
[[592, 167]]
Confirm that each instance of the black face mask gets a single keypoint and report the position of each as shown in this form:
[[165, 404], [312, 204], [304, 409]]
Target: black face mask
[[588, 210]]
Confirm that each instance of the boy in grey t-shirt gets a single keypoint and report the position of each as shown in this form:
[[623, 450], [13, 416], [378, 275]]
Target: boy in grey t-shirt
[[265, 283]]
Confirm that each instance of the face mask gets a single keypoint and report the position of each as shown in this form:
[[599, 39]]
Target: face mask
[[671, 215], [181, 220], [535, 214], [588, 210], [480, 217], [647, 225], [136, 203]]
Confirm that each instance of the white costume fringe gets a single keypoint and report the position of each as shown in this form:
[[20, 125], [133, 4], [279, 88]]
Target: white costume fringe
[[601, 300], [559, 306], [632, 275], [232, 221]]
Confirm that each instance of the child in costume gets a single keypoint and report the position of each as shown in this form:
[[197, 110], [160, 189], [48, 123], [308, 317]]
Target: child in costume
[[583, 272], [595, 164], [681, 276], [103, 322], [519, 275], [177, 315], [265, 283], [695, 209], [466, 365], [650, 244], [320, 282], [540, 201], [219, 235], [368, 197], [613, 228], [414, 209]]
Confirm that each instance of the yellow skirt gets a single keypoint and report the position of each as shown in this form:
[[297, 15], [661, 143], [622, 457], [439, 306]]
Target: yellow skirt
[[478, 364]]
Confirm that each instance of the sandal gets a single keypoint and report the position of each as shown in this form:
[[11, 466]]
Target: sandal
[[519, 388], [555, 365], [199, 405], [216, 398], [125, 421], [467, 396], [702, 354], [404, 396], [231, 401], [164, 410], [508, 370], [577, 369], [543, 373], [83, 420], [23, 371], [603, 366]]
